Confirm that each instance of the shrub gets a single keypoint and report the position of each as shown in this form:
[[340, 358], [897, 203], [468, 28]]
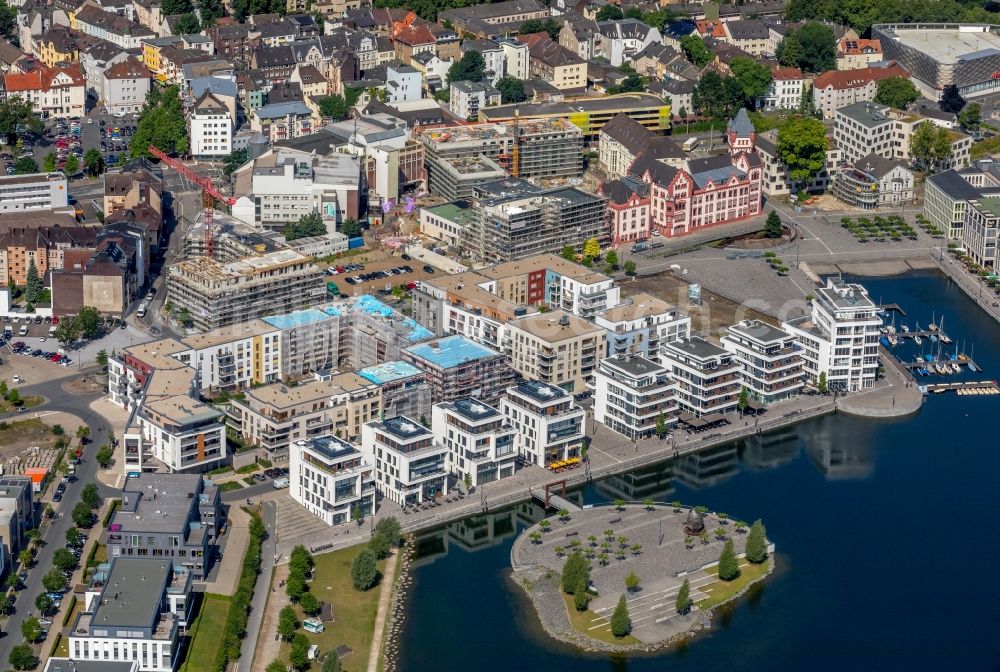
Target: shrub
[[229, 647]]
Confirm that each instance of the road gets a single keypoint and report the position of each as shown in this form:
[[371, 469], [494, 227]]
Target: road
[[55, 535]]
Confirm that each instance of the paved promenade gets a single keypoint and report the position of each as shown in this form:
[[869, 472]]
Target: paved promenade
[[970, 284]]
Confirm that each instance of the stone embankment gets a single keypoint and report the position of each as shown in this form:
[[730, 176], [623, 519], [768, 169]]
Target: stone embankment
[[397, 608]]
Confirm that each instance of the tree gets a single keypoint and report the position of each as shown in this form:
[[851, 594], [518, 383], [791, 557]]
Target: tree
[[307, 226], [187, 24], [683, 602], [951, 99], [34, 286], [661, 425], [772, 225], [609, 13], [971, 116], [568, 253], [64, 560], [550, 26], [49, 162], [94, 161], [695, 50], [82, 516], [757, 543], [575, 569], [25, 166], [14, 397], [16, 116], [299, 657], [390, 528], [897, 92], [54, 581], [364, 571], [171, 7], [470, 68], [287, 622], [22, 656], [91, 496], [25, 557], [790, 52], [8, 22], [930, 144], [105, 454], [744, 401], [581, 597], [819, 47], [802, 145], [5, 604], [729, 566], [511, 90], [350, 227], [161, 124], [592, 248], [754, 78], [331, 663], [300, 560], [44, 604], [309, 604], [629, 267], [276, 666], [236, 159], [89, 320], [380, 545], [632, 582], [717, 97], [334, 106], [621, 625], [72, 536], [821, 385]]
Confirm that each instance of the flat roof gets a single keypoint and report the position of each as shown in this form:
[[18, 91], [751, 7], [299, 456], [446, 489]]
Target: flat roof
[[366, 303], [642, 305], [132, 592], [634, 365], [619, 103], [696, 347], [949, 44], [990, 204], [542, 392], [162, 503], [388, 372], [473, 409], [298, 319], [403, 427], [453, 212], [228, 334], [451, 351], [760, 331], [180, 408], [280, 395], [73, 665], [556, 325], [331, 448]]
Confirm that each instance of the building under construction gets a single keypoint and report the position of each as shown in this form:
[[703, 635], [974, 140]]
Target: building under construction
[[543, 149], [216, 294], [231, 239]]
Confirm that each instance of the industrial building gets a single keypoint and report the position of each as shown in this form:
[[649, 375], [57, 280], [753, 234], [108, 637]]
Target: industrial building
[[544, 148]]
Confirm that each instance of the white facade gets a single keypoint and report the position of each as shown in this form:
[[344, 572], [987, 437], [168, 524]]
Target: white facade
[[641, 325], [549, 425], [410, 466], [785, 92], [770, 360], [300, 183], [840, 337], [124, 86], [211, 128], [38, 191], [515, 57], [981, 231], [331, 479], [467, 98], [402, 84], [632, 393], [707, 376], [480, 440]]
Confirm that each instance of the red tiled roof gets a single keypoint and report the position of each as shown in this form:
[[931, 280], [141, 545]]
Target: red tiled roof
[[850, 79], [711, 28], [41, 79], [786, 73], [855, 47]]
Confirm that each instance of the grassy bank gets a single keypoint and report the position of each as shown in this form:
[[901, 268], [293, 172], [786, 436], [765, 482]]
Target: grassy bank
[[583, 621], [721, 591], [206, 633]]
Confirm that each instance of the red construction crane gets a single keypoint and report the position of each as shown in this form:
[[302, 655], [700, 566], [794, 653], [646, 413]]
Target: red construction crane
[[209, 194]]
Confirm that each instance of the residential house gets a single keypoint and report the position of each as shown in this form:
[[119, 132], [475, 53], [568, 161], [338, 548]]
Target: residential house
[[411, 467], [55, 92], [331, 479], [211, 128], [835, 89], [785, 92], [467, 98], [770, 360], [634, 396], [854, 53], [479, 438], [126, 85], [619, 41], [874, 182]]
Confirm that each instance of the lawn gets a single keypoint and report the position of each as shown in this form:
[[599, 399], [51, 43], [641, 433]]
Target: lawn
[[353, 611], [721, 591], [28, 401], [583, 621], [206, 633]]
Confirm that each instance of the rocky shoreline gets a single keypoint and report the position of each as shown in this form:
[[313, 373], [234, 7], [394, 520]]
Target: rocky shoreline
[[543, 588], [397, 608]]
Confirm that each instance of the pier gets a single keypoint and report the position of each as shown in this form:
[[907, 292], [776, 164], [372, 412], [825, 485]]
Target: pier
[[890, 307], [966, 389]]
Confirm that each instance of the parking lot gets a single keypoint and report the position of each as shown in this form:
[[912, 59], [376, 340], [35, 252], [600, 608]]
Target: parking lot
[[379, 275], [96, 130]]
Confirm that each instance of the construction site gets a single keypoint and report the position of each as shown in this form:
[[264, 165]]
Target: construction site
[[540, 149]]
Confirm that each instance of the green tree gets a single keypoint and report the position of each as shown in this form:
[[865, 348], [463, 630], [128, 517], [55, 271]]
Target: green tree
[[64, 560], [105, 454], [632, 582], [729, 566], [754, 78], [629, 267], [717, 97], [49, 162], [22, 656], [568, 253], [14, 397], [930, 145], [72, 536], [331, 663], [575, 569], [802, 145], [187, 24], [621, 624], [102, 358], [54, 581], [350, 227], [683, 602], [16, 112], [44, 604], [299, 657], [5, 604], [26, 557], [819, 47], [25, 166], [82, 516], [8, 22], [609, 13], [611, 259], [334, 107], [550, 26], [276, 666], [951, 99], [661, 425], [301, 560], [91, 496], [971, 116], [744, 401], [695, 50], [89, 320], [308, 225], [756, 543], [581, 597], [364, 571], [390, 528], [897, 92], [821, 385], [94, 161], [309, 604], [772, 225], [161, 124], [287, 622], [236, 159], [34, 286], [172, 7], [469, 68], [790, 52], [511, 90]]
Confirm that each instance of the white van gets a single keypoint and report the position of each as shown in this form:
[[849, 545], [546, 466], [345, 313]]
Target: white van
[[280, 483], [314, 652], [142, 310], [23, 331]]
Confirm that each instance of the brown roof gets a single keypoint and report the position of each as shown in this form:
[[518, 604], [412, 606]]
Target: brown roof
[[850, 79], [41, 79], [786, 73], [415, 35], [127, 69]]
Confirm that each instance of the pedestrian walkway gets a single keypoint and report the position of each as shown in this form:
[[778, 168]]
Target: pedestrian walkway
[[232, 547], [269, 644], [384, 604]]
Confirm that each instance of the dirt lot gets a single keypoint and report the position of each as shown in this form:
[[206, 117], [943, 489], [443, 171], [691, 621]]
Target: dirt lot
[[23, 434], [377, 260], [715, 313]]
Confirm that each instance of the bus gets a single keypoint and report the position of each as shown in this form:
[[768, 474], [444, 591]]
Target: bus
[[690, 144]]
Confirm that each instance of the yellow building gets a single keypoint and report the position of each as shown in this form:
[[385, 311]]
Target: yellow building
[[57, 45]]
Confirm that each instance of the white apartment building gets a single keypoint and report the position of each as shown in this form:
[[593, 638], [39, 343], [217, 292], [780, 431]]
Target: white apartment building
[[480, 440], [331, 479], [641, 324], [467, 98], [211, 127], [981, 230], [632, 394], [839, 337], [557, 348], [770, 360], [785, 92], [403, 83], [515, 56], [707, 376], [178, 431], [835, 89], [234, 356], [410, 466], [947, 194], [136, 611], [124, 86], [549, 425], [37, 191]]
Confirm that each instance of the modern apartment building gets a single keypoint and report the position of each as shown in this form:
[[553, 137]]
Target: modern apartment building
[[38, 191], [135, 610], [947, 194], [273, 416], [632, 394], [168, 516], [410, 466], [548, 425], [403, 387], [456, 367], [310, 341], [17, 514], [211, 128], [174, 429], [217, 294], [331, 479], [639, 325], [557, 348], [770, 360], [467, 98], [480, 440], [839, 338], [981, 231], [707, 376]]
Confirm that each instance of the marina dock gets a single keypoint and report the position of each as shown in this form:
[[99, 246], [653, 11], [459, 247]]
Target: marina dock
[[966, 389]]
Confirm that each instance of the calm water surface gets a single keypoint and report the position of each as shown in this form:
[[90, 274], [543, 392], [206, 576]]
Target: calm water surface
[[887, 536]]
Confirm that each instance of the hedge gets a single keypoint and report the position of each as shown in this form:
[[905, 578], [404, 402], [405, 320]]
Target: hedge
[[236, 622], [115, 505]]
